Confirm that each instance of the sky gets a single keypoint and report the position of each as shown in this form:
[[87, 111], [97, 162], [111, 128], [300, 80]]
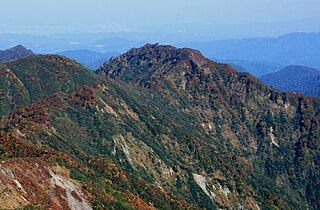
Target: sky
[[122, 14], [165, 21]]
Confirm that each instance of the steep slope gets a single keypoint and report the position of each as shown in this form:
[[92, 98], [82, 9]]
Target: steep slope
[[31, 78], [26, 181], [13, 53], [299, 79], [82, 124], [12, 91], [167, 128], [266, 137]]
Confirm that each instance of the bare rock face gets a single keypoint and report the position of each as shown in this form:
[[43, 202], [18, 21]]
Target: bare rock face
[[32, 182]]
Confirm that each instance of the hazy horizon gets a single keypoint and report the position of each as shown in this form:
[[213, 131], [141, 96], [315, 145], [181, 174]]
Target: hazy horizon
[[203, 19], [53, 26]]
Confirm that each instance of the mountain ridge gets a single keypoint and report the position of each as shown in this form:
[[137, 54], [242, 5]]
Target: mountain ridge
[[167, 128], [37, 76], [295, 78], [13, 53], [232, 96], [289, 49], [88, 58]]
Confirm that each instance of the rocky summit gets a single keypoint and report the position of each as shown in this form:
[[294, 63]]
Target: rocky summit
[[155, 128]]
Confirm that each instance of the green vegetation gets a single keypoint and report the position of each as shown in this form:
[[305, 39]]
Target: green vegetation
[[167, 128]]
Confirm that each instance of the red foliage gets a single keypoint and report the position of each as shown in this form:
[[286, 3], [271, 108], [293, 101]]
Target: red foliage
[[85, 96]]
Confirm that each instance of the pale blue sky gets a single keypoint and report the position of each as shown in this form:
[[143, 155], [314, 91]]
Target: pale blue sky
[[133, 12]]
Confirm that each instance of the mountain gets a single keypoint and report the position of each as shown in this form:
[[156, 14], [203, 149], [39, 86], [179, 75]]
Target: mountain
[[60, 42], [157, 128], [92, 60], [242, 116], [289, 49], [13, 53], [256, 68], [63, 138], [33, 78], [299, 79]]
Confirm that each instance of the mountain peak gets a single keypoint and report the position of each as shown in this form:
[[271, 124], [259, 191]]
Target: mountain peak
[[154, 63], [18, 47], [18, 51], [158, 51], [165, 49]]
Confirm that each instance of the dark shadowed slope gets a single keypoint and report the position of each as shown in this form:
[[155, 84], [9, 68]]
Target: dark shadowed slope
[[299, 79], [256, 68], [13, 53]]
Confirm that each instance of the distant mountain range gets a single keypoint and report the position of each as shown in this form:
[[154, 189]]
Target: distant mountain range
[[289, 49], [256, 68], [44, 44], [299, 79], [258, 56], [13, 53], [92, 60], [100, 51]]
